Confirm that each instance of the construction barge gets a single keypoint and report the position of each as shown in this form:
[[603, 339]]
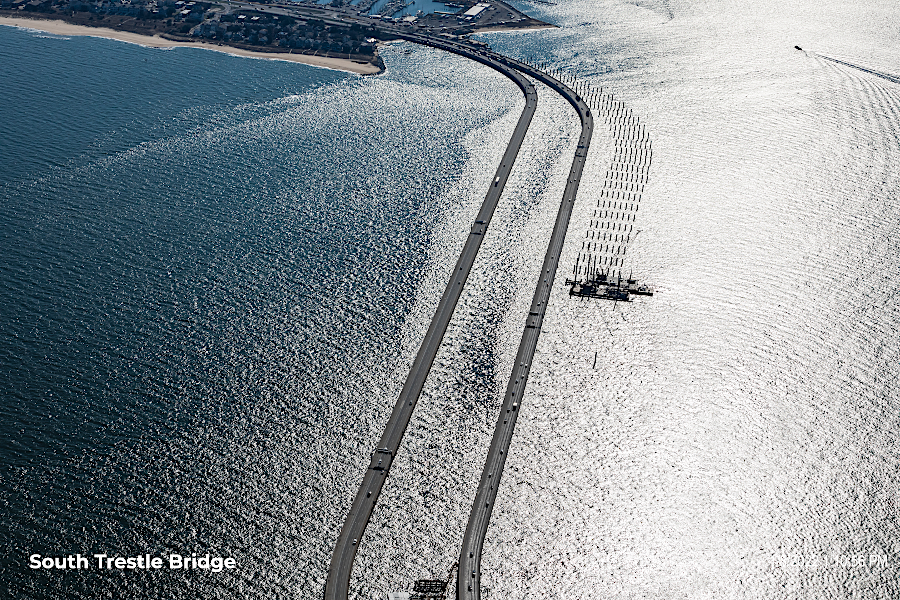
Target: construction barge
[[604, 287]]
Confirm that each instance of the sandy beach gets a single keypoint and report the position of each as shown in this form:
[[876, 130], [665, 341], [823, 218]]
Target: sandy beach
[[62, 28]]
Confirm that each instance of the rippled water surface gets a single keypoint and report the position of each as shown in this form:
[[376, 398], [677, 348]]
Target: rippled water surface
[[211, 283], [738, 436], [216, 271]]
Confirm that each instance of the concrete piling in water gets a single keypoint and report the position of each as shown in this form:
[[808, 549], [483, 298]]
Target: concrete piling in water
[[623, 183]]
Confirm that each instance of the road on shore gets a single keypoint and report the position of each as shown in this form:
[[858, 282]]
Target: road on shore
[[338, 583]]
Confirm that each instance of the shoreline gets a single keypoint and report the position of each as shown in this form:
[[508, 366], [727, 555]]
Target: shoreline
[[505, 29], [58, 27]]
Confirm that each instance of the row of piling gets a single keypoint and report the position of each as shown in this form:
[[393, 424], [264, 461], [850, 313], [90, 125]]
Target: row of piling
[[611, 227]]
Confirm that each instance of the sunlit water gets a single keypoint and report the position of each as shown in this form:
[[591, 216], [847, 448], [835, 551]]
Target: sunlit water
[[216, 272], [738, 437]]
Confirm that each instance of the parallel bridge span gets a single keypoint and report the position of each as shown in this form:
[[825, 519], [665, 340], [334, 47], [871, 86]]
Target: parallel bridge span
[[468, 585], [469, 576], [338, 583]]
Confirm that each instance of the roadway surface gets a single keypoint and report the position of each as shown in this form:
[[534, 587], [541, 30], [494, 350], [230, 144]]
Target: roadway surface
[[469, 575], [338, 583], [468, 585]]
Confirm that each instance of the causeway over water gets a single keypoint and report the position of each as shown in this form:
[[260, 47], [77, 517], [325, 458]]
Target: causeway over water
[[469, 573], [468, 583]]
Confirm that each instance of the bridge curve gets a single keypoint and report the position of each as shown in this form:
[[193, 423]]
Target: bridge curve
[[337, 585], [468, 584]]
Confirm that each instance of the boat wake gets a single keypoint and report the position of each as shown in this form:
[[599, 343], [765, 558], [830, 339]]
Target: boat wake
[[888, 76]]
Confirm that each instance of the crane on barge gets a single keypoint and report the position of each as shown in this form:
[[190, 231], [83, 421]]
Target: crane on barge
[[603, 285]]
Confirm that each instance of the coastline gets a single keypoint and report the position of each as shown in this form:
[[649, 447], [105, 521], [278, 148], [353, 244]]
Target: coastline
[[506, 29], [57, 27]]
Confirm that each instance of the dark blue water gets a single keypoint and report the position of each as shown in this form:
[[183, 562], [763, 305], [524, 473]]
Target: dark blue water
[[207, 263], [215, 272]]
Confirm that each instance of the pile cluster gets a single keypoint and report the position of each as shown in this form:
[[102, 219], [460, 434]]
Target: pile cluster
[[612, 224]]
